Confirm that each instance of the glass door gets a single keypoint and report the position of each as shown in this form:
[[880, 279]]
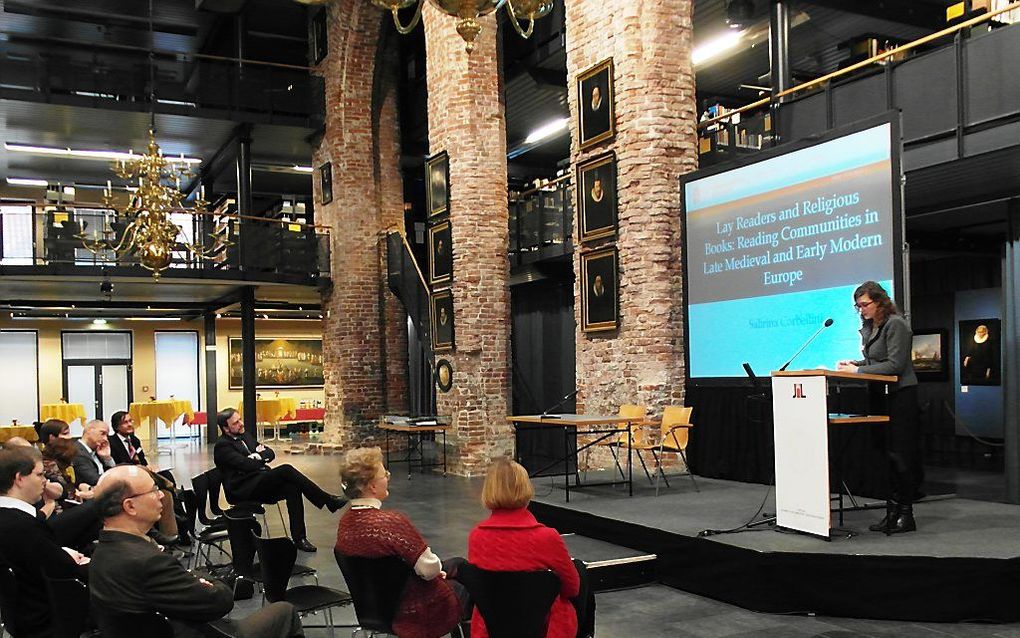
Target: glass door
[[81, 388]]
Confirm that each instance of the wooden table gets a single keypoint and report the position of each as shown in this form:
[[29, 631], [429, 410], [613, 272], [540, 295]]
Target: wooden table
[[167, 411], [272, 411], [27, 432], [414, 432], [66, 412], [604, 427]]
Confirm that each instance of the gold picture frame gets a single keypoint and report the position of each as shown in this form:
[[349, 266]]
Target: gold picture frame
[[440, 253], [599, 290], [596, 106], [437, 184], [596, 198], [441, 320]]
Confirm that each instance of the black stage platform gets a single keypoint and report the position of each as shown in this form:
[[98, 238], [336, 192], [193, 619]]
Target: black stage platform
[[962, 564]]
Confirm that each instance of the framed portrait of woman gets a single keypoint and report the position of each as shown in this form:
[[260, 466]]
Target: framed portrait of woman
[[437, 184], [599, 307], [596, 197], [980, 351], [595, 104], [440, 253]]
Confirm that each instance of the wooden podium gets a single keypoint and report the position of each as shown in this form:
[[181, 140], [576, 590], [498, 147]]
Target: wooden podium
[[800, 409]]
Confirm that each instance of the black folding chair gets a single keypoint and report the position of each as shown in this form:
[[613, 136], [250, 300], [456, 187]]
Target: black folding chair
[[513, 604], [69, 606], [242, 529], [276, 558], [8, 600], [377, 586], [214, 535], [114, 624]]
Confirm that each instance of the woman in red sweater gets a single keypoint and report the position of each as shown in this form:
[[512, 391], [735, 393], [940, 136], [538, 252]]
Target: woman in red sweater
[[429, 607], [512, 540]]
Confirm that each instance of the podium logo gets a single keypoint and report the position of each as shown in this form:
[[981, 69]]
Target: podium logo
[[798, 391]]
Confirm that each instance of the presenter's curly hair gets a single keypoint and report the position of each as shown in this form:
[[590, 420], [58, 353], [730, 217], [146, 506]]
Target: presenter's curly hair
[[360, 467], [507, 486], [885, 306]]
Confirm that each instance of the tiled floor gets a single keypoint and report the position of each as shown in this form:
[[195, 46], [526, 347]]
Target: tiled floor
[[445, 510]]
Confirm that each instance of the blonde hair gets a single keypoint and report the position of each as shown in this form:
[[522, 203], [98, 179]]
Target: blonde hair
[[507, 486], [360, 467]]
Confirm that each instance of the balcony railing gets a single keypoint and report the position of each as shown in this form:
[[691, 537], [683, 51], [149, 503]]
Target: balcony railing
[[36, 235]]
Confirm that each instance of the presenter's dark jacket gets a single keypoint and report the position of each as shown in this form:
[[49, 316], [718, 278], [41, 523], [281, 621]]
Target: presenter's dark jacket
[[120, 454], [85, 468], [130, 574], [28, 547], [240, 473], [887, 350]]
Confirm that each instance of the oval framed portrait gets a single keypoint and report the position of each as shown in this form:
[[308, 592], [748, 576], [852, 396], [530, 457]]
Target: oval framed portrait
[[444, 375]]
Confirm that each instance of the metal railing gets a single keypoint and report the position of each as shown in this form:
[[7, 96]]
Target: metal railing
[[46, 235]]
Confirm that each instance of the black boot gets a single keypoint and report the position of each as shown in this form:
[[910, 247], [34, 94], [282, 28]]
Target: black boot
[[890, 515], [904, 521]]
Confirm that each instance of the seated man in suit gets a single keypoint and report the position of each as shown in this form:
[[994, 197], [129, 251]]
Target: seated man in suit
[[124, 445], [129, 573], [244, 464], [94, 457], [26, 542]]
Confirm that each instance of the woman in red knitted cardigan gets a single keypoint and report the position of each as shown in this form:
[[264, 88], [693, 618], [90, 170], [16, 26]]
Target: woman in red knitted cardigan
[[512, 540], [429, 607]]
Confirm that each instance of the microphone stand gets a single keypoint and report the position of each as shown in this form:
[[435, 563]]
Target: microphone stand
[[828, 322], [546, 415]]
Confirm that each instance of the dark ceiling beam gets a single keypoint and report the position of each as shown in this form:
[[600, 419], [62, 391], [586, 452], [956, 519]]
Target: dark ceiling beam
[[917, 14], [556, 78], [62, 11], [36, 304]]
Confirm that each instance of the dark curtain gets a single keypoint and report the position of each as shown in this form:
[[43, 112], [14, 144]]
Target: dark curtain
[[733, 438], [542, 344]]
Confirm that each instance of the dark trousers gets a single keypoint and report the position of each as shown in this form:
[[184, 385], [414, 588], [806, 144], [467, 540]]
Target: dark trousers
[[903, 446], [277, 620], [286, 483], [584, 603]]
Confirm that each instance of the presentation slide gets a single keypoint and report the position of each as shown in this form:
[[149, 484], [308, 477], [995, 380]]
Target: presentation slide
[[777, 247]]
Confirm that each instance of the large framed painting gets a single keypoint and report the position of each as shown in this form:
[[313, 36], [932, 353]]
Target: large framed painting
[[599, 307], [595, 104], [596, 197], [979, 352], [437, 184], [441, 315], [284, 362], [326, 183], [928, 353], [440, 253]]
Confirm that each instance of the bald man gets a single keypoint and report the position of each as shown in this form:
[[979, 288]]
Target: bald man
[[94, 456], [129, 573]]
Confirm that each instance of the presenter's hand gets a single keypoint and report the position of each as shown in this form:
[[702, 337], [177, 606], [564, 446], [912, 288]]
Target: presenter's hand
[[846, 367]]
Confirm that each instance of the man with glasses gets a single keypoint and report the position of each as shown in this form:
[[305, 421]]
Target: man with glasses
[[130, 574], [27, 544]]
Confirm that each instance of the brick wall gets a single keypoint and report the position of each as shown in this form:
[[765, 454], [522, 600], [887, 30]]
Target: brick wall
[[363, 327], [466, 119], [650, 43]]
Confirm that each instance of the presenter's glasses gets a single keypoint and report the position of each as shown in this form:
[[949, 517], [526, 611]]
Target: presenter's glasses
[[862, 305]]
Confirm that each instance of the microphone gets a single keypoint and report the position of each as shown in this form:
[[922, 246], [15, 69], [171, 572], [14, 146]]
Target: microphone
[[546, 415], [828, 322]]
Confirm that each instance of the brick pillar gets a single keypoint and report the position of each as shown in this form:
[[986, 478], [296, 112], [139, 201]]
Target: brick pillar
[[650, 43], [466, 119], [362, 324]]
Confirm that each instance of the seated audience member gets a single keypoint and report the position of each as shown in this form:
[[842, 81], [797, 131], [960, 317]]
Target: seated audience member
[[54, 489], [129, 573], [27, 544], [430, 606], [244, 464], [53, 429], [93, 456], [512, 540], [124, 445], [58, 459], [75, 522]]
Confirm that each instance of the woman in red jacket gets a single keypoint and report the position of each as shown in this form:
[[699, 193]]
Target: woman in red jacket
[[512, 540]]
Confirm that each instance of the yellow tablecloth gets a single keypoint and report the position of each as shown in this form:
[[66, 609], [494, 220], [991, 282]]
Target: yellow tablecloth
[[66, 412], [166, 411], [272, 410], [25, 431]]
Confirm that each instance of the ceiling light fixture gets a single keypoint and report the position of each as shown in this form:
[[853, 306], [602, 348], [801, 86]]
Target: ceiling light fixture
[[547, 130], [22, 181], [105, 156], [716, 47], [739, 13]]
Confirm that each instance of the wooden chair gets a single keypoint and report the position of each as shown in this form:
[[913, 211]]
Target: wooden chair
[[614, 443], [674, 431]]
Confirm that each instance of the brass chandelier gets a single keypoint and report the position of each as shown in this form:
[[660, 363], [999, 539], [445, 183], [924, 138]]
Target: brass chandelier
[[150, 234], [467, 13]]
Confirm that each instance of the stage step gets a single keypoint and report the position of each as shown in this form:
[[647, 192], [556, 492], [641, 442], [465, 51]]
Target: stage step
[[611, 566]]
